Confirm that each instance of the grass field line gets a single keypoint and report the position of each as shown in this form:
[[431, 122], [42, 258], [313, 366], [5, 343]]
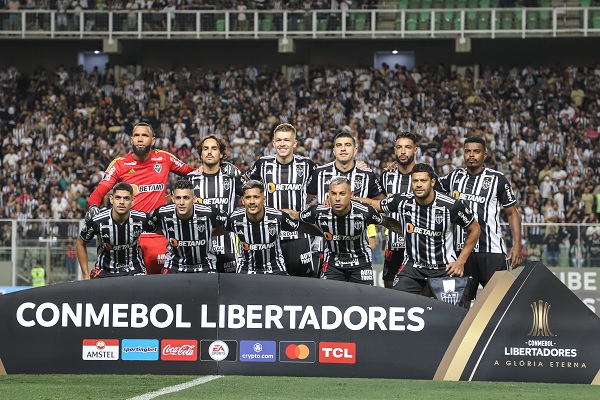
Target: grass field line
[[176, 388]]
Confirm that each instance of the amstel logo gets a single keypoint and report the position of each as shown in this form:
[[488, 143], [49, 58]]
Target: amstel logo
[[540, 326]]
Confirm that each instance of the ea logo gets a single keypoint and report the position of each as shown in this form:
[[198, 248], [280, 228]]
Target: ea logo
[[271, 187], [410, 228], [173, 242], [297, 351], [218, 350]]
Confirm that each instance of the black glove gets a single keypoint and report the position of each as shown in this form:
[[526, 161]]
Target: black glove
[[230, 170], [93, 210]]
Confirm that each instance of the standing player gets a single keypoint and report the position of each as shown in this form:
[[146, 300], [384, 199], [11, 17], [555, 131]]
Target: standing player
[[429, 219], [285, 176], [118, 230], [147, 171], [188, 227], [215, 187], [348, 256], [259, 229], [364, 183], [397, 180], [484, 190]]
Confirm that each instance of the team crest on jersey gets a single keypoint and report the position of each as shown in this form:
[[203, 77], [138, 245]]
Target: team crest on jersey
[[439, 219], [358, 225], [201, 228], [273, 230], [226, 183], [487, 182], [358, 182], [157, 168], [300, 170]]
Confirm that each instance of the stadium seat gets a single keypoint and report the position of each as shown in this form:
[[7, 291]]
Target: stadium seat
[[266, 23], [596, 20], [461, 4], [545, 3], [483, 20], [518, 19], [322, 24], [360, 22], [411, 21], [426, 4], [586, 3], [473, 4], [402, 4], [532, 19], [507, 21], [424, 20], [398, 24], [447, 20], [471, 17], [545, 22], [484, 4], [413, 4], [220, 25]]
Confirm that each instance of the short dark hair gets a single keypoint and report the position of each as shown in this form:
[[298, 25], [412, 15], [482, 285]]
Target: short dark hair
[[220, 142], [123, 186], [183, 183], [253, 184], [407, 135], [144, 124], [476, 139], [343, 135], [422, 167]]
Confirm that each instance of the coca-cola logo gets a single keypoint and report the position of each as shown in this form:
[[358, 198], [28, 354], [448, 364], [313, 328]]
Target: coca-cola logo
[[185, 350], [179, 350]]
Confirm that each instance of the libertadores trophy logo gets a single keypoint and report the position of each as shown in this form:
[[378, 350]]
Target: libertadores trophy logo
[[540, 326]]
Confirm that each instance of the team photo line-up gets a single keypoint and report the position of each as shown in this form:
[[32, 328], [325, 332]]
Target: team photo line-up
[[297, 218]]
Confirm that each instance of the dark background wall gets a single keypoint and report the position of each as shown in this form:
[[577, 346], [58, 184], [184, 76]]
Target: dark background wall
[[28, 54]]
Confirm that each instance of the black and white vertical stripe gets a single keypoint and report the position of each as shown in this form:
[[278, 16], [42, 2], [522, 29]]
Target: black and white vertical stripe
[[364, 183], [118, 248]]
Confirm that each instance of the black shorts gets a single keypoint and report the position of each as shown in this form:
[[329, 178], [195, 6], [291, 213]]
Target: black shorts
[[175, 270], [226, 263], [298, 257], [106, 273], [413, 280], [481, 266], [362, 275], [393, 262]]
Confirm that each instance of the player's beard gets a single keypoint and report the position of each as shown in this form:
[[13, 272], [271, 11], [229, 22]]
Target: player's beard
[[408, 161], [142, 152]]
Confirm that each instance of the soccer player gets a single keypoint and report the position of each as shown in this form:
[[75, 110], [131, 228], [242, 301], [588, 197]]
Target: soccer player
[[484, 190], [364, 183], [147, 171], [285, 176], [397, 180], [259, 229], [219, 189], [429, 218], [348, 255], [188, 227], [118, 230]]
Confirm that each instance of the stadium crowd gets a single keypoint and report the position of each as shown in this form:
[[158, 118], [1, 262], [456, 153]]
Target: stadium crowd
[[60, 129]]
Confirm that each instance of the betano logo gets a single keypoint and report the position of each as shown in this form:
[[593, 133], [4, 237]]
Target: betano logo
[[540, 326]]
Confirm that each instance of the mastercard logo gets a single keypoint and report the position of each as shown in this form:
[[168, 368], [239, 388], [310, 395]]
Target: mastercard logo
[[298, 352]]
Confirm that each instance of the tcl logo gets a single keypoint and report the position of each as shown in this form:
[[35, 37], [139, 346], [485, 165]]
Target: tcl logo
[[179, 350], [337, 353]]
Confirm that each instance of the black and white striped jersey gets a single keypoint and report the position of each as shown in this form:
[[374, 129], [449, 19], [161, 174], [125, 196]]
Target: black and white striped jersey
[[483, 193], [189, 245], [285, 184], [429, 231], [364, 183], [261, 247], [220, 191], [118, 248], [345, 236], [394, 182]]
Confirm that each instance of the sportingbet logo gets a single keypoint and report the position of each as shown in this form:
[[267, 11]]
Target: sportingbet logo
[[178, 350], [101, 349], [337, 353], [139, 349]]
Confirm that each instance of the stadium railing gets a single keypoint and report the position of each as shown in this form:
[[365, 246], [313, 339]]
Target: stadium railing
[[27, 241], [381, 23]]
